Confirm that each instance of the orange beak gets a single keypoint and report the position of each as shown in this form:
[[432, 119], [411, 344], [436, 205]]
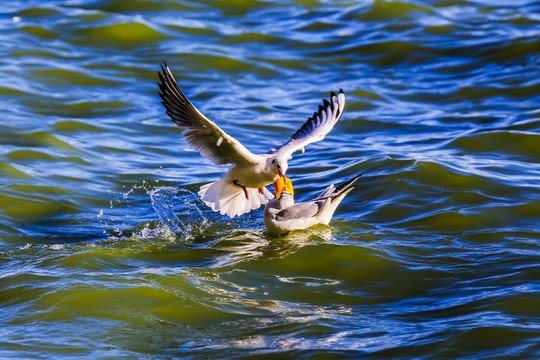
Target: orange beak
[[283, 184]]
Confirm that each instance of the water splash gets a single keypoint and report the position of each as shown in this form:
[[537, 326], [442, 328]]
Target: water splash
[[179, 215], [162, 202], [162, 199]]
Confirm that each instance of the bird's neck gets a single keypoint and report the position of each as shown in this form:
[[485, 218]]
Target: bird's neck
[[286, 199]]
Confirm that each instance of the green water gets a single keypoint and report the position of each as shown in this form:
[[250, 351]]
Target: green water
[[106, 251]]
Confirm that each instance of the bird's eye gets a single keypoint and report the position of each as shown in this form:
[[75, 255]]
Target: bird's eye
[[274, 161]]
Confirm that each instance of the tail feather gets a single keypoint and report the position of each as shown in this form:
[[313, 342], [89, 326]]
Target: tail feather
[[346, 184], [332, 191], [326, 192], [230, 200], [337, 199]]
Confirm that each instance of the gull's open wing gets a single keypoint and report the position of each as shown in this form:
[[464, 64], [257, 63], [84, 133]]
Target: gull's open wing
[[200, 132], [316, 127]]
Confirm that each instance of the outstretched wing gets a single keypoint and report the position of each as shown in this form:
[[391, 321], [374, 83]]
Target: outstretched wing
[[200, 132], [316, 127]]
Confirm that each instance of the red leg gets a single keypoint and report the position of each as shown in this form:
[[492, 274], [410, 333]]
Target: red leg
[[243, 188]]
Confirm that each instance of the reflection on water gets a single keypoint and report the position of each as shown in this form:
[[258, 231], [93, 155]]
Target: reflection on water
[[106, 250]]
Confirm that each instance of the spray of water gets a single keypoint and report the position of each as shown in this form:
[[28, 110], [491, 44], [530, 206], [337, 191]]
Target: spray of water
[[162, 199], [178, 212], [162, 202]]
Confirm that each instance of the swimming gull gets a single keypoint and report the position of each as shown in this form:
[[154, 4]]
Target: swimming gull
[[282, 215]]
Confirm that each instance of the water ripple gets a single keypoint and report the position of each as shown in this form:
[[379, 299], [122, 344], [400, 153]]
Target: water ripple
[[434, 254]]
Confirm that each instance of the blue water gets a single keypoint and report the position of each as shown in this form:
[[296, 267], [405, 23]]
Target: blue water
[[106, 251]]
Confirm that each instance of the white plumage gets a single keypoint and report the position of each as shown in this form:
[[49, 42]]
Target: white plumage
[[237, 192]]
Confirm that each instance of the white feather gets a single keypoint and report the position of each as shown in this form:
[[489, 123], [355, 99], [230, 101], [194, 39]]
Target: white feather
[[230, 200]]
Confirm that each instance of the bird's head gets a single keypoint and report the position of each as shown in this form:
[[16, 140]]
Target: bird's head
[[278, 166]]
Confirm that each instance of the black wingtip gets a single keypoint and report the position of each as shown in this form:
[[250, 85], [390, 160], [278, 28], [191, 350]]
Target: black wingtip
[[165, 72], [327, 104], [166, 77], [347, 184], [341, 91]]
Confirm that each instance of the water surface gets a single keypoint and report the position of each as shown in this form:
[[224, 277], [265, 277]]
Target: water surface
[[106, 251]]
